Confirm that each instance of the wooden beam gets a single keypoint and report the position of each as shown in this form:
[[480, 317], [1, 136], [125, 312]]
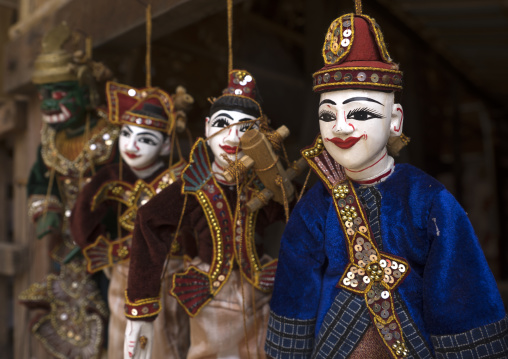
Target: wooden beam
[[13, 258], [109, 23], [11, 4]]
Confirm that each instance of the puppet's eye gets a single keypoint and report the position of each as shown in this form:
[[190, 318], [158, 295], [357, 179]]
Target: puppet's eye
[[220, 122], [327, 116], [147, 140], [363, 114]]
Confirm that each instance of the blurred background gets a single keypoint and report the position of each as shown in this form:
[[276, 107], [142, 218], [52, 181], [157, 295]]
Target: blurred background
[[454, 55]]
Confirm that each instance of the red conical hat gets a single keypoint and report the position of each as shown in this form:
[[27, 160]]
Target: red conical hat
[[355, 56]]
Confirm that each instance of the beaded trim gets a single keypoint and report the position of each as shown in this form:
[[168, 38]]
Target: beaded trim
[[74, 315], [340, 37], [233, 239], [338, 44], [357, 77], [37, 203], [142, 308], [97, 150], [115, 90], [134, 196], [104, 253], [370, 272]]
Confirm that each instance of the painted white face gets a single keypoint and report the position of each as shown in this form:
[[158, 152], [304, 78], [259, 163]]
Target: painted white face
[[356, 124], [141, 147], [228, 140]]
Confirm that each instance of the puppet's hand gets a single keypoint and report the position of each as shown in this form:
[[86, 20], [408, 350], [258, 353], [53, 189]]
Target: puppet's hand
[[47, 223], [138, 340]]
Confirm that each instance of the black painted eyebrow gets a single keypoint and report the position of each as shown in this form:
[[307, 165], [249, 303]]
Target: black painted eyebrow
[[147, 134], [128, 128], [225, 115], [361, 99], [327, 101]]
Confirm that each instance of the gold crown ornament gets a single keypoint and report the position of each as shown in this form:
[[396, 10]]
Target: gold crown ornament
[[55, 64]]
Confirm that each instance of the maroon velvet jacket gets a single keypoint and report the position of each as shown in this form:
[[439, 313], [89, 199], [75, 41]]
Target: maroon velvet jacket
[[155, 225], [95, 212]]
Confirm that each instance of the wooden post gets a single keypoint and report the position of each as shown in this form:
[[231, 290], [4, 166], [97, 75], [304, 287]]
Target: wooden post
[[25, 148]]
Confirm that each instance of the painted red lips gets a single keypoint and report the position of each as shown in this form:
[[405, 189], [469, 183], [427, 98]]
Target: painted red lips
[[229, 149], [344, 144], [131, 155]]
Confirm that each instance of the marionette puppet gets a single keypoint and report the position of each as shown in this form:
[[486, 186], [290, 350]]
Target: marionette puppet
[[75, 137], [75, 141], [226, 286], [377, 260], [148, 119]]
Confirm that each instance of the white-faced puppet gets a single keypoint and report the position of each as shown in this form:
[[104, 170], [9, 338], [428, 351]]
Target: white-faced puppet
[[147, 120], [378, 260]]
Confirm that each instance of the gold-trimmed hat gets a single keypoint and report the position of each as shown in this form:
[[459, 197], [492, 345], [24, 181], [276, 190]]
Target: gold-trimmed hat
[[149, 107], [54, 64], [356, 56], [240, 94]]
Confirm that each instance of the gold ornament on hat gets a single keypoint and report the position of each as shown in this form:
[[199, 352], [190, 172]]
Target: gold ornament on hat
[[346, 65], [54, 64]]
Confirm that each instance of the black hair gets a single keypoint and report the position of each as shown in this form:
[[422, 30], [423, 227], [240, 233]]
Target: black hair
[[152, 111], [236, 103]]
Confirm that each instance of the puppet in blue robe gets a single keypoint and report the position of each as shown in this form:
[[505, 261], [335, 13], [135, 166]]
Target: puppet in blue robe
[[377, 260]]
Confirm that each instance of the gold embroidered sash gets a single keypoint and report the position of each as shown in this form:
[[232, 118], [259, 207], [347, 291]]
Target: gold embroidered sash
[[370, 272]]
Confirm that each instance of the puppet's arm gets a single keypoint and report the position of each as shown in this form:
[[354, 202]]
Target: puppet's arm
[[44, 207], [462, 306], [295, 299]]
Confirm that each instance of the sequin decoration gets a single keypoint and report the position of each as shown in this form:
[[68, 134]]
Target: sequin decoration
[[371, 273]]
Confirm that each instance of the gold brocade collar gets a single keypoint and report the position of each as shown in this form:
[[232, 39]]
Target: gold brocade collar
[[57, 151]]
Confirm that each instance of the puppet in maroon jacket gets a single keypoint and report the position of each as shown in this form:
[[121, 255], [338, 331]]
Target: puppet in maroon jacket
[[147, 120], [226, 287]]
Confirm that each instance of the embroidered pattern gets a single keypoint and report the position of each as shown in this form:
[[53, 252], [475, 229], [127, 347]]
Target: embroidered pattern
[[135, 196], [97, 151], [143, 308], [233, 239], [104, 252], [371, 273], [38, 203]]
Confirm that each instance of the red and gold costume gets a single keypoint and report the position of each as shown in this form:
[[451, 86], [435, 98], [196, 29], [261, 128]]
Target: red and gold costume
[[229, 279], [119, 191]]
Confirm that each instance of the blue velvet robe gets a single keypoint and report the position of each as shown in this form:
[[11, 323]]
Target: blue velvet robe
[[450, 289]]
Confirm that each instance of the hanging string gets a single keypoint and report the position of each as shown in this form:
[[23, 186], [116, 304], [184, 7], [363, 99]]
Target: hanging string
[[358, 7], [304, 185], [172, 139], [88, 47], [119, 207], [88, 138], [280, 183], [148, 63], [230, 36], [48, 191], [175, 236]]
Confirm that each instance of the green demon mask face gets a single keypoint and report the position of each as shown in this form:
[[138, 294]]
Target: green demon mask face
[[63, 104]]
